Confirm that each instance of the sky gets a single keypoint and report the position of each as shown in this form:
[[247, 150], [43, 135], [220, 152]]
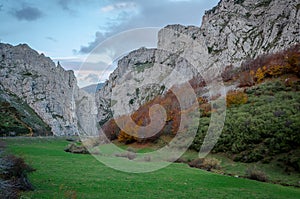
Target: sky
[[68, 31]]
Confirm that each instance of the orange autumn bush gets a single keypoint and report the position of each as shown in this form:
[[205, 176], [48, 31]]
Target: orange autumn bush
[[271, 65], [141, 118], [126, 138], [236, 97]]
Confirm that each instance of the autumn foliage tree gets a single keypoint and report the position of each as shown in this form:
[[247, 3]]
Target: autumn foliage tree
[[141, 118]]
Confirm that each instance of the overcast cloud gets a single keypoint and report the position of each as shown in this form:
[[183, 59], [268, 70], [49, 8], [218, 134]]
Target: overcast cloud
[[155, 13], [27, 13]]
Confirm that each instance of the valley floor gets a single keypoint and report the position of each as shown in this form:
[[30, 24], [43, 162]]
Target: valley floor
[[65, 175]]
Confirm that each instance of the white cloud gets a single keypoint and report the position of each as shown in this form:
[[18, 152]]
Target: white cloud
[[123, 42], [119, 6], [87, 77], [96, 58], [154, 13], [107, 8], [69, 59]]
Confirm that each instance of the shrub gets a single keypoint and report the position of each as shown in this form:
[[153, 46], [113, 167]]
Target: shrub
[[13, 176], [250, 155], [291, 161], [201, 133], [129, 155], [266, 126], [202, 100], [181, 160], [205, 163], [246, 79], [275, 64], [91, 142], [236, 97], [74, 148], [125, 138], [14, 166], [260, 74], [255, 174], [277, 70], [7, 190], [205, 109]]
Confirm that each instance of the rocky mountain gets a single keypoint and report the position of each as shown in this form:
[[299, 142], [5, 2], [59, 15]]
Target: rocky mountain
[[245, 28], [232, 32], [48, 89]]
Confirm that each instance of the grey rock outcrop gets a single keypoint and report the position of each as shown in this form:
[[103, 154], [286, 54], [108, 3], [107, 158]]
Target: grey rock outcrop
[[246, 29], [234, 31], [86, 114], [140, 76], [131, 71], [231, 32], [48, 89]]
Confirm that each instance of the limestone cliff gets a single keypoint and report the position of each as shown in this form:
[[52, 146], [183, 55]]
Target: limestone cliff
[[231, 32], [48, 89], [236, 30]]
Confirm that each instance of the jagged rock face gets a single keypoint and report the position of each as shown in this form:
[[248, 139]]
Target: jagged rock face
[[121, 89], [236, 30], [232, 32], [86, 113], [141, 76], [247, 28], [46, 88]]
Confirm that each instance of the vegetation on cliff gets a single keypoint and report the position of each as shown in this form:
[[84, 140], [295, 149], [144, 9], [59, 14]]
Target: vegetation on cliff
[[262, 118], [17, 118]]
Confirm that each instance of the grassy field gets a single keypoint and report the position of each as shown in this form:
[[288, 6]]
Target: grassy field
[[64, 175]]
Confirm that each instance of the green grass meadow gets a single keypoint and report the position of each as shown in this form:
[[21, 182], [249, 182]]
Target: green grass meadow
[[61, 175]]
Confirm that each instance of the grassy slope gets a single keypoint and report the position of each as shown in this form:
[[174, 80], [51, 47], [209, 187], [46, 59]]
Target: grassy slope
[[16, 116], [63, 175]]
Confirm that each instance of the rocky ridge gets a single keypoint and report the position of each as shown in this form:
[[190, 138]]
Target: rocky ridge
[[48, 89], [232, 32]]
